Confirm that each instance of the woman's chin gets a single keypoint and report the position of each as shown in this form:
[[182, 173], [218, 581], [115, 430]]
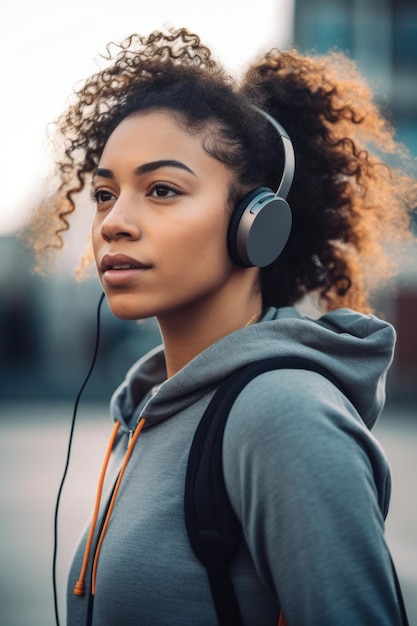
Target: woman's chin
[[121, 308]]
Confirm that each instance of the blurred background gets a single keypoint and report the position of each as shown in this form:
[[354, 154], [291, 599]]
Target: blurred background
[[48, 324]]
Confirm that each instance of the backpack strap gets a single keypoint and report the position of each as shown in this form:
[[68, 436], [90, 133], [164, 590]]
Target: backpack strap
[[213, 528]]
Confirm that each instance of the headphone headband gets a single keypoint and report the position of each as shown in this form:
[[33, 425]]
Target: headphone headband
[[289, 157]]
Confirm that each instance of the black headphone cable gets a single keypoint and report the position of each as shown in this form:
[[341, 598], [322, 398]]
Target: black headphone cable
[[64, 475]]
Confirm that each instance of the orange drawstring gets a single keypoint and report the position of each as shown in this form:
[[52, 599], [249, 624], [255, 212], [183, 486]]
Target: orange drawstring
[[79, 588], [129, 451], [282, 621], [79, 585]]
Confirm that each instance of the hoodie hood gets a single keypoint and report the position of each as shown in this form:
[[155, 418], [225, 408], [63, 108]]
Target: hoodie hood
[[357, 349]]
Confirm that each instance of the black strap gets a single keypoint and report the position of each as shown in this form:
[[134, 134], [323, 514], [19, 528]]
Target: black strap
[[213, 528]]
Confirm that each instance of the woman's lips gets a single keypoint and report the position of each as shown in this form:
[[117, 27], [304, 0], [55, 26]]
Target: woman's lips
[[119, 269]]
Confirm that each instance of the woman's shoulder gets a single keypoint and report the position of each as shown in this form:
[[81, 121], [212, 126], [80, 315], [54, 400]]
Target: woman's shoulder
[[298, 424], [299, 420], [287, 398]]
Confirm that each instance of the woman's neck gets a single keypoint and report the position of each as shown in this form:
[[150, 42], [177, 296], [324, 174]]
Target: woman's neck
[[187, 335]]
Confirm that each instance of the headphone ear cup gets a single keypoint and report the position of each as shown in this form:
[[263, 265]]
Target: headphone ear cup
[[235, 222], [259, 228]]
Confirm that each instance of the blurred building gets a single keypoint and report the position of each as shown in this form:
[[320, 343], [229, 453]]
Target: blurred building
[[381, 36]]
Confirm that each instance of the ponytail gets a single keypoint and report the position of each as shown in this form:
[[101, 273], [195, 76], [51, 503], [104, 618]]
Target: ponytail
[[346, 201]]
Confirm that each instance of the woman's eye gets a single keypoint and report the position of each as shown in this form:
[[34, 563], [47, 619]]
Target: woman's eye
[[164, 190], [101, 196]]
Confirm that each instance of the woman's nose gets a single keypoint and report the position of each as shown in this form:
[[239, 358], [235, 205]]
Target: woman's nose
[[120, 222]]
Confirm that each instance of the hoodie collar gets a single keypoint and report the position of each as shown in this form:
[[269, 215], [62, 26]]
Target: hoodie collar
[[357, 349]]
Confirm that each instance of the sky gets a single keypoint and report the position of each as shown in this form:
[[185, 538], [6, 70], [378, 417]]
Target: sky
[[47, 46]]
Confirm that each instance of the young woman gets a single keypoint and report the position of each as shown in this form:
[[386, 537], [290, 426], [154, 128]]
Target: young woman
[[171, 145]]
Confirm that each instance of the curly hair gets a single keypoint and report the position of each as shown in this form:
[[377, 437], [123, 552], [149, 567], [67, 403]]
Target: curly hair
[[347, 202]]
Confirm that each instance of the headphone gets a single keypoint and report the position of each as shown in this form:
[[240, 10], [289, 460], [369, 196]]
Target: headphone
[[261, 223]]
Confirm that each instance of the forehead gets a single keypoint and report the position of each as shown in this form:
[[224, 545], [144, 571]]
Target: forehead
[[155, 128], [162, 136]]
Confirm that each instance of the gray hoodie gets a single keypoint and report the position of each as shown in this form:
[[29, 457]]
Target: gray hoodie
[[306, 478]]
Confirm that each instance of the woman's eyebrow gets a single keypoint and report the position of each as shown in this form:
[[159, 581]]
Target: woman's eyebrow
[[103, 173], [154, 165], [146, 168]]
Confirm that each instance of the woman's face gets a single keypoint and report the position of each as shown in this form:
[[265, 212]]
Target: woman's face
[[160, 228]]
